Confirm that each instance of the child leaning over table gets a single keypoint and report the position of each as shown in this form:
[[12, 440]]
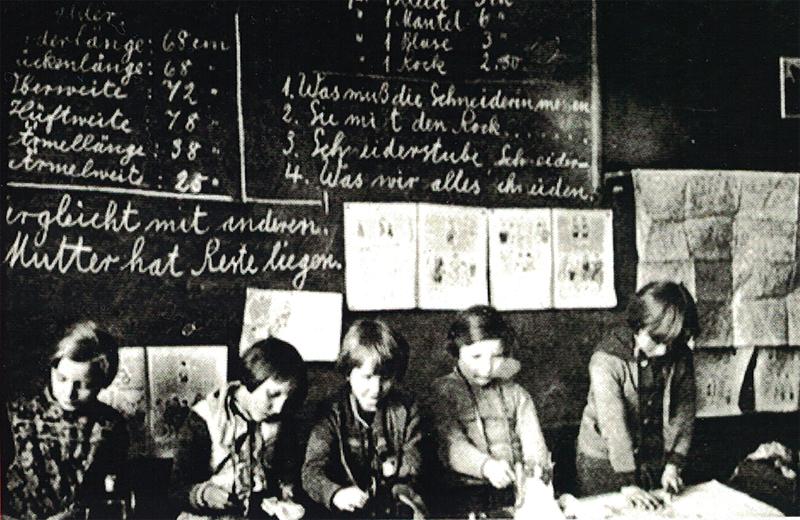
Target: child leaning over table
[[363, 457], [236, 447], [487, 424]]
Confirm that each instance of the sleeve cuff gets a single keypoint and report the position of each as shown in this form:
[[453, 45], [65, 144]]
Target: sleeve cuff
[[627, 478], [676, 458]]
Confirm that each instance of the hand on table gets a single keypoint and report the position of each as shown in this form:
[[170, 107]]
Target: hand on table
[[641, 499], [214, 497], [350, 498], [498, 472], [671, 480]]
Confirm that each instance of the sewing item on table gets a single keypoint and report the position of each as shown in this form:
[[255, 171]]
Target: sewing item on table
[[534, 497], [283, 509]]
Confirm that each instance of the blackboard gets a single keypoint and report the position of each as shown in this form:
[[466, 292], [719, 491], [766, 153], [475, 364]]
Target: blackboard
[[160, 157]]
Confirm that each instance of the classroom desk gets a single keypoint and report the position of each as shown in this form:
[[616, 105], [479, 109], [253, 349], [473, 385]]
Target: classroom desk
[[707, 500]]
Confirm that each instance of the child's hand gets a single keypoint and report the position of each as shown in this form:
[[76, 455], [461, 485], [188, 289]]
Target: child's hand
[[350, 499], [214, 497], [641, 499], [671, 480], [498, 472]]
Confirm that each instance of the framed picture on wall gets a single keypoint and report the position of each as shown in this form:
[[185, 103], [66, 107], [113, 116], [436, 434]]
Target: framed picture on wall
[[790, 87]]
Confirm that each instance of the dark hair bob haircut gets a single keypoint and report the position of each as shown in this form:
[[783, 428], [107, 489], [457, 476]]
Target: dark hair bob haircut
[[374, 340], [667, 311], [478, 323], [276, 359], [87, 342]]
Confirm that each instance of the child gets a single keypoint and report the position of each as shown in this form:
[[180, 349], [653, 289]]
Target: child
[[637, 425], [66, 441], [487, 424], [363, 456], [236, 448]]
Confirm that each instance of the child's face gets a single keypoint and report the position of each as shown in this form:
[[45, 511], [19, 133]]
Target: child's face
[[368, 386], [268, 399], [478, 360], [647, 345], [72, 384]]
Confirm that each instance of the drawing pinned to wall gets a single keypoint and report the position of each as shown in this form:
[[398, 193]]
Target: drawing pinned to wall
[[741, 232], [521, 258], [309, 320], [777, 380], [128, 395], [790, 87], [719, 375], [583, 246], [178, 378], [452, 257], [380, 244]]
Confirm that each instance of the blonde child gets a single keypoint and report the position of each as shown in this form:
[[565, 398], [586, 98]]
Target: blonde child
[[363, 457]]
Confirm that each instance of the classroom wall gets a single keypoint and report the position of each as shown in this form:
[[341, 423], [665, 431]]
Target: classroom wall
[[683, 85]]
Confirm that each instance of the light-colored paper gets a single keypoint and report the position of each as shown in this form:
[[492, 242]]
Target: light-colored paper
[[719, 375], [742, 230], [661, 241], [452, 257], [128, 395], [709, 238], [179, 377], [679, 272], [760, 322], [583, 246], [521, 259], [310, 321], [709, 500], [661, 195], [712, 193], [380, 245], [777, 380], [769, 240], [770, 196]]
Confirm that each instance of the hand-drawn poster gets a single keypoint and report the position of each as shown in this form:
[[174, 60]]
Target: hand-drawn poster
[[521, 258], [179, 377], [380, 247], [311, 321], [777, 380], [452, 257], [128, 395], [740, 230], [583, 246], [719, 375]]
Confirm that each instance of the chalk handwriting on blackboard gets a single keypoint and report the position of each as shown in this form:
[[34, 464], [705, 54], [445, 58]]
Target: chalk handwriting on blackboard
[[134, 240]]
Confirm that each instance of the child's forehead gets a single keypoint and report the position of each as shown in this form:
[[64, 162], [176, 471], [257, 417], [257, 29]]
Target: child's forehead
[[369, 363], [484, 346]]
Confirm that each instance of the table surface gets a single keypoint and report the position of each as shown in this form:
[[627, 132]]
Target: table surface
[[707, 500]]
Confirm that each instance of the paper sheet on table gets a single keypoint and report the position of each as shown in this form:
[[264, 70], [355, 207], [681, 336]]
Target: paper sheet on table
[[719, 375], [583, 246], [128, 395], [521, 258], [380, 247], [702, 501], [452, 257], [179, 377], [311, 321], [777, 380]]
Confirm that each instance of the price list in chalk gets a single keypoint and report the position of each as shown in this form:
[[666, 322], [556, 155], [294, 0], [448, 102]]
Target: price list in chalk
[[112, 99], [460, 39]]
